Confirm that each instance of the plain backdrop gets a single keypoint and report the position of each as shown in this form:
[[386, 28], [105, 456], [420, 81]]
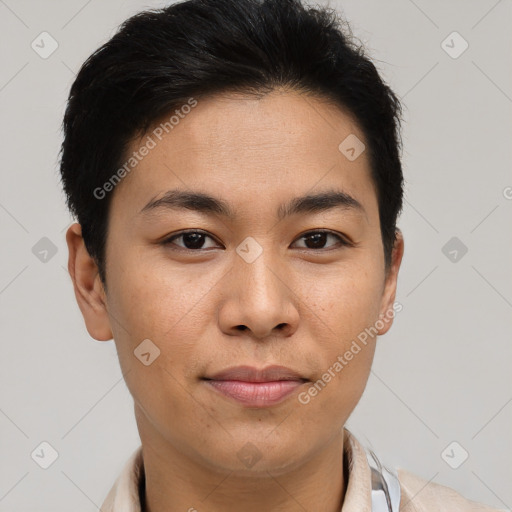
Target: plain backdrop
[[441, 375]]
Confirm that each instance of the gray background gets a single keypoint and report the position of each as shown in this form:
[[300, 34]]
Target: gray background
[[442, 374]]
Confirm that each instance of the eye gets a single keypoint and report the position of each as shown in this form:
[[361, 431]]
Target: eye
[[191, 240], [194, 240], [318, 239]]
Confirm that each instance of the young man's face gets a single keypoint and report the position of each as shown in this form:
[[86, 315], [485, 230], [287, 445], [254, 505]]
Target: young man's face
[[260, 287]]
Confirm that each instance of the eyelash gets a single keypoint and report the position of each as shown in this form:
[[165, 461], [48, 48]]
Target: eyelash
[[342, 242]]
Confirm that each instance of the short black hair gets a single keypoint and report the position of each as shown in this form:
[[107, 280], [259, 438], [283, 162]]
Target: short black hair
[[160, 58]]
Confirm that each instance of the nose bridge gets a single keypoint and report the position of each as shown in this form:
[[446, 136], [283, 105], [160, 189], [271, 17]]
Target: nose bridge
[[256, 274], [259, 298]]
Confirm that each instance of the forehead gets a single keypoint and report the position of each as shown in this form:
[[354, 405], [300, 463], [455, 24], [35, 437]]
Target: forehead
[[283, 142], [283, 124]]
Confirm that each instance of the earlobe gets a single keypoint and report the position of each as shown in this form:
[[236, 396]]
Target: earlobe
[[89, 292], [388, 310]]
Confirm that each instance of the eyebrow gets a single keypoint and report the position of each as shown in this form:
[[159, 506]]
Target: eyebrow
[[207, 204]]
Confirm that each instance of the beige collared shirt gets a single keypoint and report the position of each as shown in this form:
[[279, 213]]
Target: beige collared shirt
[[417, 495]]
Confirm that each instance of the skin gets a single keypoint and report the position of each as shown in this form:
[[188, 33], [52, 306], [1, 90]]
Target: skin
[[302, 304]]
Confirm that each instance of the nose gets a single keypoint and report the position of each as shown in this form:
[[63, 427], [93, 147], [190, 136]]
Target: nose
[[258, 300]]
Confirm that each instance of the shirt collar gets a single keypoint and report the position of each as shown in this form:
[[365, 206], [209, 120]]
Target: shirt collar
[[124, 496]]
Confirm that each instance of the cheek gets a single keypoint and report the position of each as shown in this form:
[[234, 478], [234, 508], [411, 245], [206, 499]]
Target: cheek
[[153, 299], [157, 323], [337, 388], [160, 391], [166, 309], [346, 307], [347, 300]]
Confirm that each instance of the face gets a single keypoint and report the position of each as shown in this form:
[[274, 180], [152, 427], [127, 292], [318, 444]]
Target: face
[[282, 264]]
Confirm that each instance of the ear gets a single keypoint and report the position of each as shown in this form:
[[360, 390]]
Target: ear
[[89, 292], [387, 311]]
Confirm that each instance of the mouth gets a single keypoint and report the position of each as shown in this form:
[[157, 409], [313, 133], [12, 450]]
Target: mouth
[[256, 388]]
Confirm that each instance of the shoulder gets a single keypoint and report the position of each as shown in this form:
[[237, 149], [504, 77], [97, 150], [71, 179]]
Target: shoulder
[[419, 495]]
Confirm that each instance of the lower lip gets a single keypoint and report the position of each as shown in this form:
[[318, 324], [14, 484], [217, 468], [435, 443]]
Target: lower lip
[[256, 394]]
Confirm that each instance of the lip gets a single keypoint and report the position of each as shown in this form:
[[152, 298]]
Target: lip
[[250, 374], [256, 388]]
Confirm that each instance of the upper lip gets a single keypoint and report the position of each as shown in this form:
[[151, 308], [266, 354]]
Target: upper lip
[[251, 374]]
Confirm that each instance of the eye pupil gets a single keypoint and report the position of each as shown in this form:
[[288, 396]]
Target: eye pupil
[[193, 240], [318, 239]]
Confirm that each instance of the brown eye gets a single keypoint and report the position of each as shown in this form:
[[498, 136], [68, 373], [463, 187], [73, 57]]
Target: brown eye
[[191, 240], [319, 239]]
